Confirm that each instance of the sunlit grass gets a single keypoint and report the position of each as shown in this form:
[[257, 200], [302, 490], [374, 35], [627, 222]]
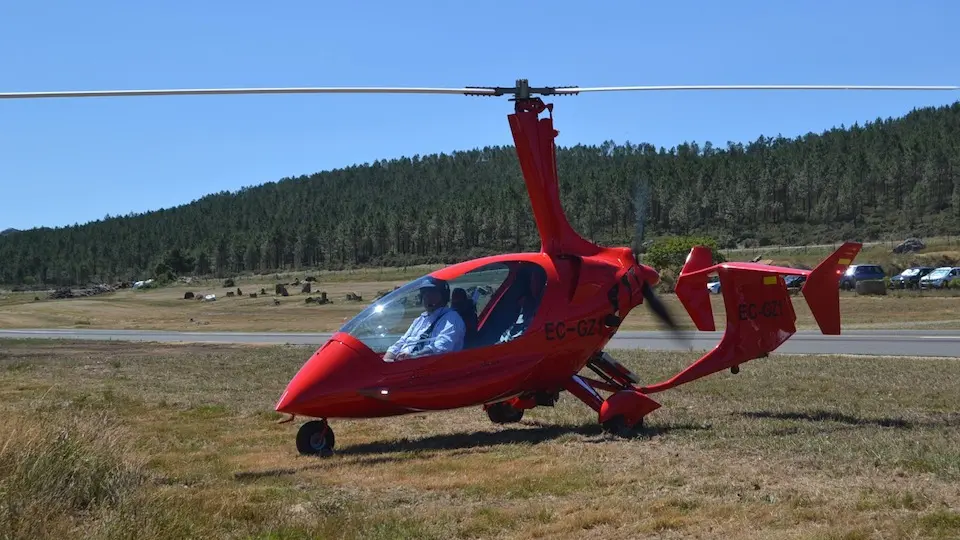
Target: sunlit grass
[[109, 440]]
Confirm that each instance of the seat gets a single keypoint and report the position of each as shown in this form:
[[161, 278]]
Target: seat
[[506, 311]]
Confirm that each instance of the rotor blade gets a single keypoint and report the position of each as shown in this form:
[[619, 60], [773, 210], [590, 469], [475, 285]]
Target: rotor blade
[[222, 91], [576, 90]]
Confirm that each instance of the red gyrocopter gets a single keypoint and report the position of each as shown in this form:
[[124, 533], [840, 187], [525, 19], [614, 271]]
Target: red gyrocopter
[[540, 318]]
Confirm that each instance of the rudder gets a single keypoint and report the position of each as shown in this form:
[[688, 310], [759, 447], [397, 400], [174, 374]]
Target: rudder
[[822, 288], [691, 287]]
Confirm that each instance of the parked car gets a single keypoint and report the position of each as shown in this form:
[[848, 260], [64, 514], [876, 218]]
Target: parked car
[[794, 281], [861, 272], [714, 285], [910, 278], [940, 278]]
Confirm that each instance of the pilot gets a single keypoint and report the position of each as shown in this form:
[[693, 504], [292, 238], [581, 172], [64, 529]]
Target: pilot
[[437, 330]]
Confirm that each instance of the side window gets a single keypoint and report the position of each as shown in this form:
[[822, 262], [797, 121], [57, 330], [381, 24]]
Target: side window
[[513, 301], [480, 285]]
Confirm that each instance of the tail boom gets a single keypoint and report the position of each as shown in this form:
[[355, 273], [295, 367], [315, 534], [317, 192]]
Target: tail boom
[[760, 314]]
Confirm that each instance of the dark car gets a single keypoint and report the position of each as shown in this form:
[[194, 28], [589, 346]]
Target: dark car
[[909, 278], [794, 281], [860, 272]]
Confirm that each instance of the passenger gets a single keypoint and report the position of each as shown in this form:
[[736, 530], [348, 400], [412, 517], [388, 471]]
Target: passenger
[[437, 330], [467, 309], [529, 294]]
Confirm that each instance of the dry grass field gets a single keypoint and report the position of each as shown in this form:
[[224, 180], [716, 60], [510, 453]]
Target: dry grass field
[[124, 440], [165, 309]]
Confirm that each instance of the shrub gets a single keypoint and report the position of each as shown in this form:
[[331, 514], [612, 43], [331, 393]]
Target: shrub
[[671, 252]]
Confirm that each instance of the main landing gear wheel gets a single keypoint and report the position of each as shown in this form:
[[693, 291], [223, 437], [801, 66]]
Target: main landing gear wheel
[[315, 438], [618, 426], [504, 413]]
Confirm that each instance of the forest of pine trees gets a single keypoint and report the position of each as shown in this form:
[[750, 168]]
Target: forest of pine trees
[[889, 178]]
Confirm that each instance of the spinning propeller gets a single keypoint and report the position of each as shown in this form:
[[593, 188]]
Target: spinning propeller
[[641, 200]]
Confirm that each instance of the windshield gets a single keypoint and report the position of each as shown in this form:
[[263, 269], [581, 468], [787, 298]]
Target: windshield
[[939, 272], [389, 318], [910, 272]]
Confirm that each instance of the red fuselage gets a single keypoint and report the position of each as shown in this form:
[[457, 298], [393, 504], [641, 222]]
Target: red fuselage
[[347, 378], [579, 292]]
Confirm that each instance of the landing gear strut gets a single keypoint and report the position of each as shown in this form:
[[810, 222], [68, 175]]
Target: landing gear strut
[[623, 411], [315, 438]]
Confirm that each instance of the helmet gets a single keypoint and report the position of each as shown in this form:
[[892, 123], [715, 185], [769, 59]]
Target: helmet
[[440, 285]]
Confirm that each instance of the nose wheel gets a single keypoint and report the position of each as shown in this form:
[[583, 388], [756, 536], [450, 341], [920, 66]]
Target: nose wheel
[[315, 438]]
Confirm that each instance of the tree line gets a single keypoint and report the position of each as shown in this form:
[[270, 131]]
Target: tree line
[[890, 177]]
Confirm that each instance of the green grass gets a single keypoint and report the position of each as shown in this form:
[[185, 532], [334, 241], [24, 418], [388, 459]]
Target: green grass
[[119, 440]]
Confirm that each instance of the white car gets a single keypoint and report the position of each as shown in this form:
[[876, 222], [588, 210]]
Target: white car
[[714, 285]]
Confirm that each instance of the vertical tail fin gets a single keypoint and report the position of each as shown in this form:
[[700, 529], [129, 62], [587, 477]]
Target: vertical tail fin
[[822, 288], [691, 288]]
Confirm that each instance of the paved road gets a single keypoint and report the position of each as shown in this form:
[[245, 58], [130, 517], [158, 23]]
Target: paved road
[[869, 342]]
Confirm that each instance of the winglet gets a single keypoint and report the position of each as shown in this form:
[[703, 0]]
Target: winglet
[[691, 288], [822, 288]]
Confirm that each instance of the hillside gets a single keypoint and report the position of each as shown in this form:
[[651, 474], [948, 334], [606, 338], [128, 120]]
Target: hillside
[[892, 177]]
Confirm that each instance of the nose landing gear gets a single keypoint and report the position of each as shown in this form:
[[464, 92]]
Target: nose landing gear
[[315, 438]]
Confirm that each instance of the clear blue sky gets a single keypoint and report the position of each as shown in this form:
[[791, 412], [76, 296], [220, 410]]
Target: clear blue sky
[[137, 154]]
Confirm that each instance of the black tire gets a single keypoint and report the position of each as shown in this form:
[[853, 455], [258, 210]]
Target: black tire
[[316, 438], [504, 413], [618, 426]]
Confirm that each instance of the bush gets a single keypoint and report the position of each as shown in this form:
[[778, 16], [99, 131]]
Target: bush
[[671, 252], [228, 283]]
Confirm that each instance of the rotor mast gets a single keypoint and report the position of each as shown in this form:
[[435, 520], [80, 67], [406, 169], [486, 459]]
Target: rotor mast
[[536, 150]]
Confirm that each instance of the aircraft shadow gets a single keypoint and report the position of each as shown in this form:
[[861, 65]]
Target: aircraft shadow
[[946, 420], [535, 434], [379, 452]]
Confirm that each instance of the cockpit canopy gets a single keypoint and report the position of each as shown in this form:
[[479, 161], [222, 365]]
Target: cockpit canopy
[[496, 302]]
